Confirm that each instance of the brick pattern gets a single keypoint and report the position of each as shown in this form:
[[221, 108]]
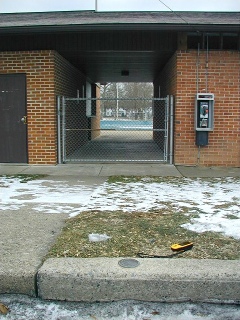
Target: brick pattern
[[218, 73], [68, 79], [48, 75], [39, 69], [70, 82], [166, 84]]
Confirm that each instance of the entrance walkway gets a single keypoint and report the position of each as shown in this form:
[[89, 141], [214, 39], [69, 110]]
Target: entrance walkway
[[118, 146]]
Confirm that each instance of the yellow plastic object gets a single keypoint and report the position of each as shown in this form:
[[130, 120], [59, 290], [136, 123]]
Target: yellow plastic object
[[182, 246]]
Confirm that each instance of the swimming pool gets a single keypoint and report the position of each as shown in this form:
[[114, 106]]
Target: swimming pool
[[126, 124]]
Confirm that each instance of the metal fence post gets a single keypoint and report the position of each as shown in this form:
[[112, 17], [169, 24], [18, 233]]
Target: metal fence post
[[59, 129], [63, 130], [171, 129], [166, 129]]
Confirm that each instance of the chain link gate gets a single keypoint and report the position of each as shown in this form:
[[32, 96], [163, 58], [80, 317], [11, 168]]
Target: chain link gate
[[113, 130]]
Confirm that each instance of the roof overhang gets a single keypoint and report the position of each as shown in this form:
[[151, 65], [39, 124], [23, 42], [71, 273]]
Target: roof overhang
[[140, 42], [90, 20]]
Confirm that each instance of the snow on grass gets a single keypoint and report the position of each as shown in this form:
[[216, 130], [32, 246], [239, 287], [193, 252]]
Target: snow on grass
[[212, 204]]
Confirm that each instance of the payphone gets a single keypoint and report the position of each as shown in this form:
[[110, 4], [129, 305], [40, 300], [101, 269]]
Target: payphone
[[204, 107]]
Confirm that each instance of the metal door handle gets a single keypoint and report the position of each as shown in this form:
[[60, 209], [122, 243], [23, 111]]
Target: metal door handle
[[24, 119]]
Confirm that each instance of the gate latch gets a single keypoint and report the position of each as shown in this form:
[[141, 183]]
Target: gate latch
[[24, 119]]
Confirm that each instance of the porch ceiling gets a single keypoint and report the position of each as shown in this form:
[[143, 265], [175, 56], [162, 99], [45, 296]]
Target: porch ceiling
[[103, 56], [119, 66]]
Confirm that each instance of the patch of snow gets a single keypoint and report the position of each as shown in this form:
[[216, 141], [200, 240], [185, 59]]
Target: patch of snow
[[214, 204], [215, 223], [95, 237], [26, 308]]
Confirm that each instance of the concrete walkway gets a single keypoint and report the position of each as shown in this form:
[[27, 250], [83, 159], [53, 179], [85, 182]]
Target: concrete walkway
[[94, 170], [133, 169], [25, 238]]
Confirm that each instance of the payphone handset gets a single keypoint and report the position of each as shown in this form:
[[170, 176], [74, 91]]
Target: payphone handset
[[204, 112]]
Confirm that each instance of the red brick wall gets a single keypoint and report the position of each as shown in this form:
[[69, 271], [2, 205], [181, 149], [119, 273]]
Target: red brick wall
[[48, 75], [221, 76], [165, 84], [41, 115], [167, 79], [69, 81]]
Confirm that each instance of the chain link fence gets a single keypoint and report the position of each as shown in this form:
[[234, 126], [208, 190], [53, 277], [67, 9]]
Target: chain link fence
[[113, 130]]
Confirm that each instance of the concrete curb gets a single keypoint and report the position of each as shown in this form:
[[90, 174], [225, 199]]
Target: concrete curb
[[15, 282], [102, 279]]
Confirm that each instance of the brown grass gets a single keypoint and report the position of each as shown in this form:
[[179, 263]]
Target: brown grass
[[148, 232]]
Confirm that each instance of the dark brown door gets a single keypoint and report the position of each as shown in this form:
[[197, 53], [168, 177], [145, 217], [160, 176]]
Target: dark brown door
[[13, 127]]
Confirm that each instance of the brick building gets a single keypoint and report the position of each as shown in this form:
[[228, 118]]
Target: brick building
[[223, 77], [50, 55]]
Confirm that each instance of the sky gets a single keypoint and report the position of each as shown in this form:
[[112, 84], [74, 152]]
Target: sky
[[7, 6]]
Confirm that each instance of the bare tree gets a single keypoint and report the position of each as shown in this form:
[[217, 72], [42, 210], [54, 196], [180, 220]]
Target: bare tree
[[126, 100], [137, 108]]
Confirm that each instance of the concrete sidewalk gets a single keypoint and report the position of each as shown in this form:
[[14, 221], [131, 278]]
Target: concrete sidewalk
[[130, 169], [25, 238], [94, 170]]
